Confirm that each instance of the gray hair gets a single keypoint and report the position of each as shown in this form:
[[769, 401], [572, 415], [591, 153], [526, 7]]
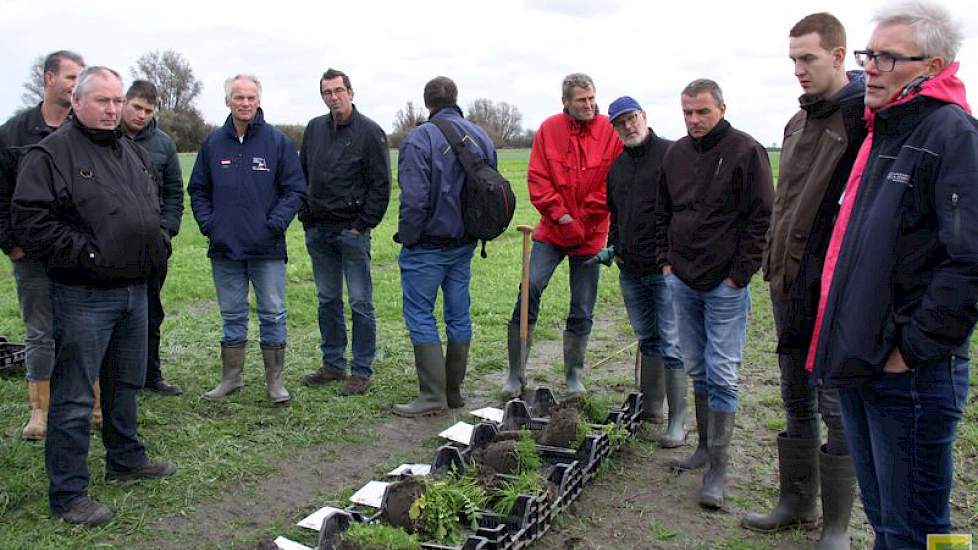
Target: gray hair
[[701, 85], [934, 31], [229, 83], [576, 80], [52, 62], [85, 77]]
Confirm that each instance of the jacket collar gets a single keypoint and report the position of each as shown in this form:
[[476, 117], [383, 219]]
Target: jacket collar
[[253, 126], [710, 140], [580, 128], [910, 107], [354, 117], [823, 107], [146, 132], [447, 111], [99, 136], [643, 148]]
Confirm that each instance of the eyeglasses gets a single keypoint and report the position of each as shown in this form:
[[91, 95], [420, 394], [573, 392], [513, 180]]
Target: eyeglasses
[[885, 62], [626, 120], [335, 91]]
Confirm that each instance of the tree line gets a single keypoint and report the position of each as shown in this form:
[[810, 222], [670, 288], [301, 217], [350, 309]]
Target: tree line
[[178, 115]]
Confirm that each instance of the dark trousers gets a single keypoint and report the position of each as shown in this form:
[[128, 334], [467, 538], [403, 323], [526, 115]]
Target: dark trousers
[[99, 333], [901, 430], [155, 316]]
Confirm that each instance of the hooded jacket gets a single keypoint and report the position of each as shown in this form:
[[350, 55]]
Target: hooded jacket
[[902, 266], [87, 203], [567, 174], [431, 179], [16, 136], [244, 193], [633, 183], [163, 152], [348, 170], [714, 207]]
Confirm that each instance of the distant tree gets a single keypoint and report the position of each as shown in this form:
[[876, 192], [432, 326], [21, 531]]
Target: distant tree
[[34, 87], [405, 120], [524, 140], [187, 128], [502, 121], [293, 132], [173, 77]]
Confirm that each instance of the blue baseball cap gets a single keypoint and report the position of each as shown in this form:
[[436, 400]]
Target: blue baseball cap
[[622, 106]]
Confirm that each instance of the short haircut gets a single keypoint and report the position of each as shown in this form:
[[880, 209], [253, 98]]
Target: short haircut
[[934, 31], [143, 89], [332, 73], [701, 85], [229, 83], [85, 78], [52, 62], [440, 92], [576, 80], [831, 33]]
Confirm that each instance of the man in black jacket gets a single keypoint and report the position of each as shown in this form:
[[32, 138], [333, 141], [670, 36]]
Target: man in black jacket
[[712, 214], [87, 204], [346, 162], [633, 184], [139, 124], [60, 68]]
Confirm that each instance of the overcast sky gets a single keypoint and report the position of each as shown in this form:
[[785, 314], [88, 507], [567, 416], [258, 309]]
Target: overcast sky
[[507, 50]]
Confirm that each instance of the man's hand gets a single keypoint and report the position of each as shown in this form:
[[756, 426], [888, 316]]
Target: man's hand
[[353, 231], [895, 363], [666, 270], [16, 253], [565, 219], [730, 282], [605, 256]]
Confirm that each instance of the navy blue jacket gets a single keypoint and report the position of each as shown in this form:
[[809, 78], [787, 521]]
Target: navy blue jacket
[[245, 193], [167, 165], [907, 273], [431, 180]]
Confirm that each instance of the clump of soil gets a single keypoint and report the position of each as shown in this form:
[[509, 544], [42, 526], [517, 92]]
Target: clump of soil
[[499, 455], [507, 435], [561, 431], [399, 498], [344, 544]]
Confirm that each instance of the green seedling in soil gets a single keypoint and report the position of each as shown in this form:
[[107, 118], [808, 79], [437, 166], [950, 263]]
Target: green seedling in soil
[[595, 408], [527, 457], [661, 532], [376, 536], [445, 502], [527, 483]]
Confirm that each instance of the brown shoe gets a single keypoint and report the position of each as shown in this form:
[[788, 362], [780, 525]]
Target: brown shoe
[[149, 471], [355, 385], [323, 376]]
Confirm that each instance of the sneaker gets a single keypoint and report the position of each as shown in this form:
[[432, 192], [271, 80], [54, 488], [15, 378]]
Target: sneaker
[[149, 471], [163, 387], [323, 376], [356, 385], [87, 512]]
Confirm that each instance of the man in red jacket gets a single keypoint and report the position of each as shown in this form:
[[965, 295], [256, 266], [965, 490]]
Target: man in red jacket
[[569, 164]]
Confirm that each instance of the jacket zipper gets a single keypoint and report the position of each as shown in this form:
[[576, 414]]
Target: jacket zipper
[[955, 216]]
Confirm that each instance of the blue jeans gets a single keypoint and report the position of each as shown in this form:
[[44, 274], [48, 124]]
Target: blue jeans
[[712, 332], [34, 295], [99, 334], [423, 271], [267, 277], [901, 430], [544, 259], [653, 317], [336, 256]]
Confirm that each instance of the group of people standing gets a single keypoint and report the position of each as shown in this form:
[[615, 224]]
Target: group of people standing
[[869, 244]]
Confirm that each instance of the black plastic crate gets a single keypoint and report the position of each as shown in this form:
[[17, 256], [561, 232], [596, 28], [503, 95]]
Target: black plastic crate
[[11, 358]]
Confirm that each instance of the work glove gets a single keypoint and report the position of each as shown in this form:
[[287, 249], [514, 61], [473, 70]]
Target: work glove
[[605, 256]]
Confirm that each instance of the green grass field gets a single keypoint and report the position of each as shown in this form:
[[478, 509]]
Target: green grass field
[[218, 444]]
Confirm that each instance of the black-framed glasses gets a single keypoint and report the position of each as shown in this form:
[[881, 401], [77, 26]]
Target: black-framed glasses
[[335, 91], [885, 61]]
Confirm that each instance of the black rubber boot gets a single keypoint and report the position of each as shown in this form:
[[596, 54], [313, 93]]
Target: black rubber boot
[[430, 364], [676, 387], [456, 359], [798, 478], [575, 347], [838, 492], [715, 478], [232, 370], [652, 384], [516, 381], [700, 456]]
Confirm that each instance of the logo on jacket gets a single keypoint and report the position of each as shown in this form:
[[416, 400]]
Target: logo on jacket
[[898, 178], [258, 163], [225, 163]]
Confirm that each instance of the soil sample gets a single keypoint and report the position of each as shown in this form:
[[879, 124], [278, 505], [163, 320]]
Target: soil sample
[[561, 431], [398, 500], [499, 455]]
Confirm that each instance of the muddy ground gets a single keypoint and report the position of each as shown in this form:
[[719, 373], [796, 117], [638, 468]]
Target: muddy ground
[[637, 503]]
